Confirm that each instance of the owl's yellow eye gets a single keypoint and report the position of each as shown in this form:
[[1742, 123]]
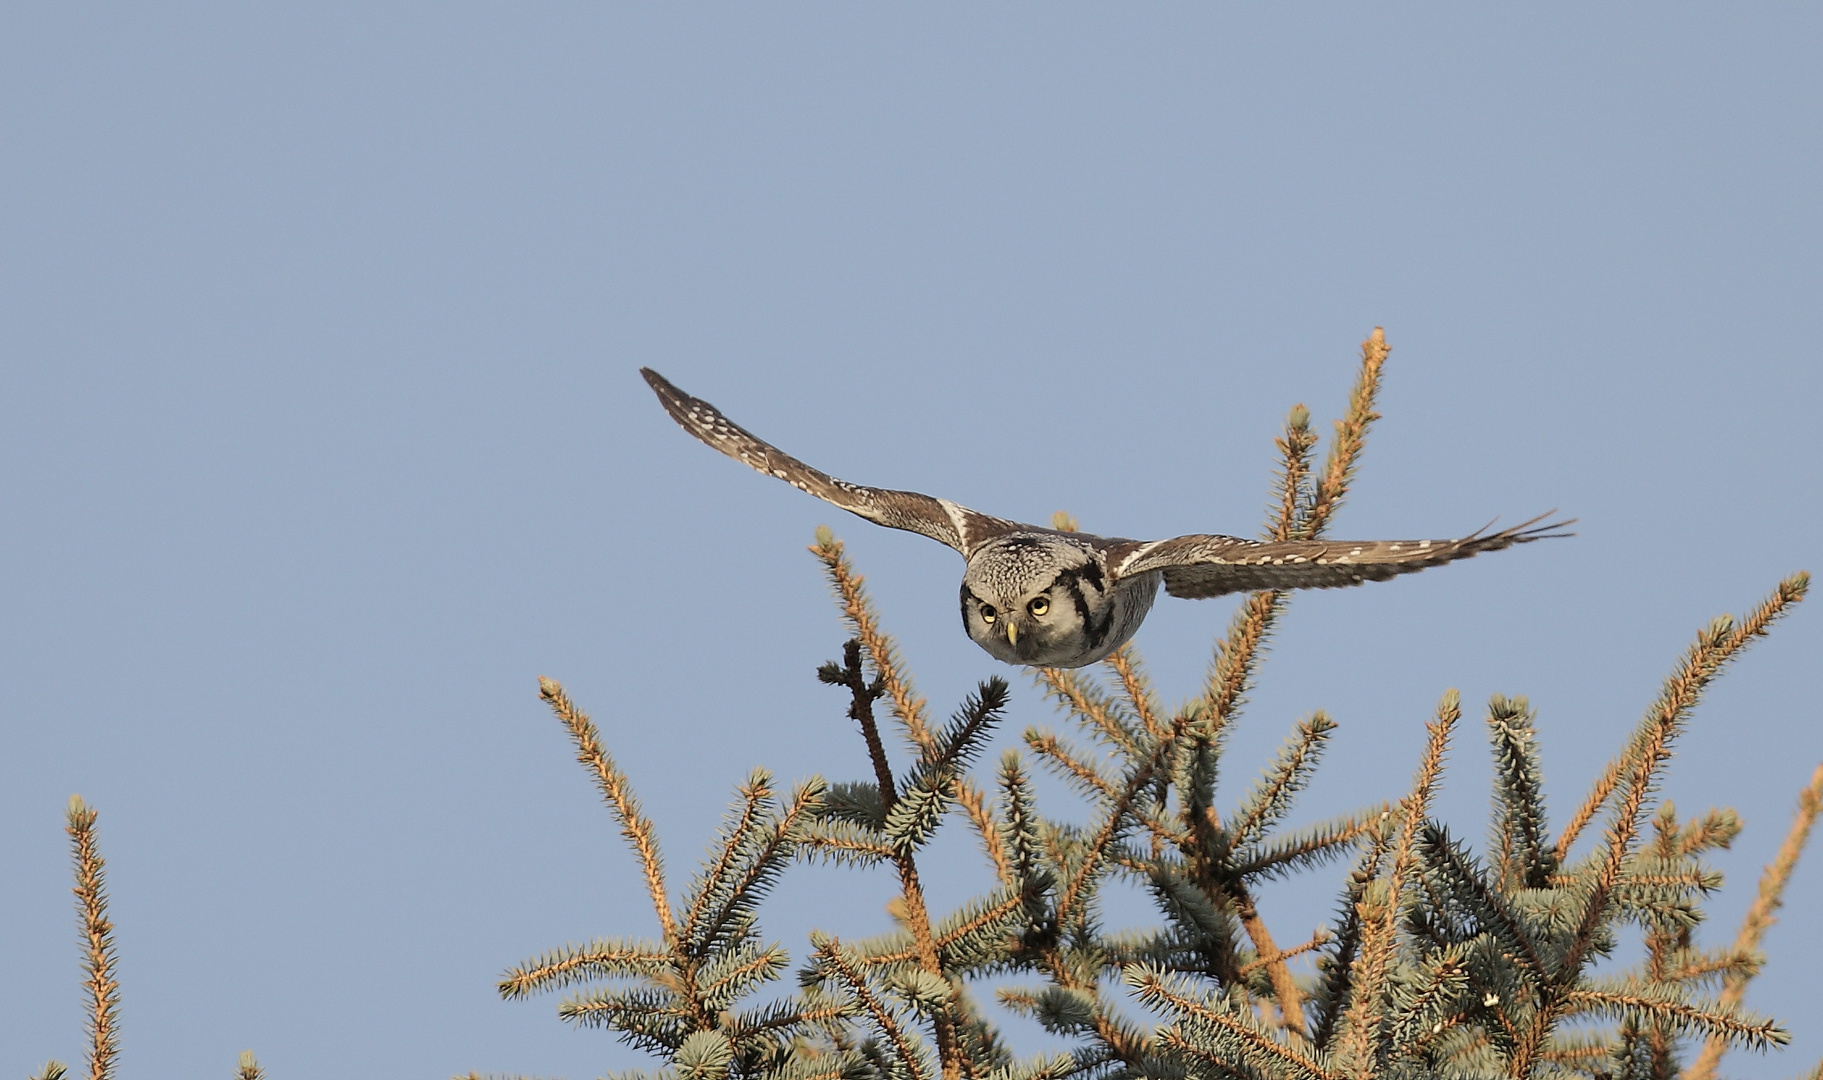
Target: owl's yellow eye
[[988, 613], [1038, 606]]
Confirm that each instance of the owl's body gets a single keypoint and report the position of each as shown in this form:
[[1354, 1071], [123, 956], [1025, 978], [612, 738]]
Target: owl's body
[[1066, 599]]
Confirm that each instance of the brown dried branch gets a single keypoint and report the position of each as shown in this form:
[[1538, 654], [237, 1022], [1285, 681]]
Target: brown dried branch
[[102, 992]]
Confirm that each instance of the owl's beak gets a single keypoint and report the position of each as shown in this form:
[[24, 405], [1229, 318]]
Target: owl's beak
[[1012, 634]]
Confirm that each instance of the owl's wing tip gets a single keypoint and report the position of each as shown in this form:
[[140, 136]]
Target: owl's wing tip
[[1531, 530]]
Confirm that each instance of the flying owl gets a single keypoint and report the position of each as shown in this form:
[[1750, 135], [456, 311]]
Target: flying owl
[[1066, 599]]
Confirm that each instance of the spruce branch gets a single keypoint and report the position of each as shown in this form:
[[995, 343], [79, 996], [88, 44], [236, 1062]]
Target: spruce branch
[[1455, 873], [1292, 489], [1127, 668], [1271, 796], [1309, 847], [1337, 986], [1231, 671], [1718, 644], [618, 793], [833, 961], [1522, 856], [756, 793], [882, 651], [1071, 690], [1237, 655], [101, 999], [845, 843], [1361, 1046], [1715, 829], [1639, 766], [975, 806], [766, 849], [1651, 1002], [1423, 1008], [1072, 764], [962, 740], [1350, 437], [1114, 820], [1227, 1034], [736, 973], [1761, 916], [650, 1019], [606, 958], [979, 934], [1019, 830], [916, 914]]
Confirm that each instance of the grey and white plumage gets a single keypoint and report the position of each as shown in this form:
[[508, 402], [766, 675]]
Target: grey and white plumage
[[1065, 599]]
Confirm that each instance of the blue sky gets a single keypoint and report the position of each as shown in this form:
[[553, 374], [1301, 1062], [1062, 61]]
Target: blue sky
[[324, 438]]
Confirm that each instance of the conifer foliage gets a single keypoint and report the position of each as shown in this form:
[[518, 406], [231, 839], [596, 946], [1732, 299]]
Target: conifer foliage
[[1441, 961]]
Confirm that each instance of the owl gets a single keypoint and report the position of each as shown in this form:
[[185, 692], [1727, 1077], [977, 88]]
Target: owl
[[1046, 598]]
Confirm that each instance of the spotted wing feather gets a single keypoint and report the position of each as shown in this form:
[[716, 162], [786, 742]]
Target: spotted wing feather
[[1200, 566], [939, 519]]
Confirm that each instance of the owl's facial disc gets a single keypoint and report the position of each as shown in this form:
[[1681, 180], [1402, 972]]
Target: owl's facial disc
[[1018, 601]]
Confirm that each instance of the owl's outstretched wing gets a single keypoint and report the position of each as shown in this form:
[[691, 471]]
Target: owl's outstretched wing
[[939, 519], [1200, 566]]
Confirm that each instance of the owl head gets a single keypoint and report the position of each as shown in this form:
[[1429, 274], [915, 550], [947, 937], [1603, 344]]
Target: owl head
[[1035, 598]]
